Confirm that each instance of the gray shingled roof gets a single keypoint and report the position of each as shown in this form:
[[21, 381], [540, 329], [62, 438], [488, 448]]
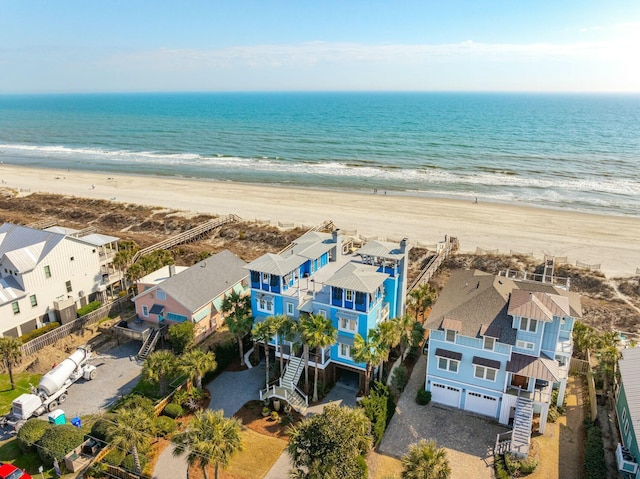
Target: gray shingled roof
[[204, 281], [357, 277], [481, 300], [630, 377], [476, 299]]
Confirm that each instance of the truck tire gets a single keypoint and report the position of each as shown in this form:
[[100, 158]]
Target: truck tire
[[93, 374], [52, 405], [62, 398]]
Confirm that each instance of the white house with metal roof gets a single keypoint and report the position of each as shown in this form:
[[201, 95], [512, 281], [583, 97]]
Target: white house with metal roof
[[45, 275], [175, 294]]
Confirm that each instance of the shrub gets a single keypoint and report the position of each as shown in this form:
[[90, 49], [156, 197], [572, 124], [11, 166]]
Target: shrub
[[182, 336], [30, 433], [362, 465], [375, 408], [225, 353], [520, 466], [423, 397], [129, 463], [133, 401], [553, 415], [594, 462], [165, 425], [57, 441], [500, 467], [36, 333], [114, 457], [99, 428], [400, 378], [173, 410], [92, 306]]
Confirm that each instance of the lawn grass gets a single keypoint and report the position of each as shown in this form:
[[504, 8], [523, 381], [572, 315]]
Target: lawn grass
[[22, 381], [30, 461], [384, 466]]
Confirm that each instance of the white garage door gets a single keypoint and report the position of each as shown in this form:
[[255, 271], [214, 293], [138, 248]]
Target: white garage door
[[447, 395], [481, 404]]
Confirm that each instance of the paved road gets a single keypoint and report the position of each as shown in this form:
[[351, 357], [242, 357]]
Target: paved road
[[469, 439], [229, 392]]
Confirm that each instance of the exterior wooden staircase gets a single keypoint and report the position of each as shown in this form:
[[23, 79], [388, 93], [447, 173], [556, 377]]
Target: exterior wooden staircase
[[287, 388], [149, 345], [521, 433]]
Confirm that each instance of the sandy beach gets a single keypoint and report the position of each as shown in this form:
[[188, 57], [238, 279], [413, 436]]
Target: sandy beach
[[611, 241]]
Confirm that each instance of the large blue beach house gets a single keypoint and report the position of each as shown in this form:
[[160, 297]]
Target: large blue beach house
[[499, 346], [356, 286]]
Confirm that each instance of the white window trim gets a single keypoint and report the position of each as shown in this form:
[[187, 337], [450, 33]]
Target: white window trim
[[290, 309], [446, 334], [349, 295], [484, 369], [265, 277], [527, 328], [265, 305], [349, 322], [484, 343], [323, 313], [161, 295], [340, 354], [145, 311], [520, 344], [449, 363]]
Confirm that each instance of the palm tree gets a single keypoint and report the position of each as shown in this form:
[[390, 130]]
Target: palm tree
[[158, 367], [11, 352], [406, 325], [130, 430], [389, 336], [209, 439], [584, 338], [425, 460], [237, 309], [262, 333], [367, 351], [318, 333], [304, 324], [279, 324], [421, 298], [196, 363]]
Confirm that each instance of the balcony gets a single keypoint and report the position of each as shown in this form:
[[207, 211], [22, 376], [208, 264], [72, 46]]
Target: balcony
[[106, 256], [539, 394]]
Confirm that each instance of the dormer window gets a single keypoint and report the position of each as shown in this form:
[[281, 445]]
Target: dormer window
[[488, 343], [450, 335], [529, 325]]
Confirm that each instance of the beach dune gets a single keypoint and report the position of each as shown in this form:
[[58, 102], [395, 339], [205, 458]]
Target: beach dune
[[613, 242]]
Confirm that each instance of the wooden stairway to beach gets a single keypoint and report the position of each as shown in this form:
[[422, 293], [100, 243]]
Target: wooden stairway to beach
[[187, 236]]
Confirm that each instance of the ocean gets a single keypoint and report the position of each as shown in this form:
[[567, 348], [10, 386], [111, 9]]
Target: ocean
[[571, 151]]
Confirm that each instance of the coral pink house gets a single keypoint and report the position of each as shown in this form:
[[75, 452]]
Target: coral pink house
[[175, 294]]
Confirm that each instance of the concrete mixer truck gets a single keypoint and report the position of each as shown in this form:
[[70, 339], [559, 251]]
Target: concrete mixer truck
[[53, 386]]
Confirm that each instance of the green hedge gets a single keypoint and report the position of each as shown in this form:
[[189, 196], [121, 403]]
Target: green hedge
[[165, 425], [58, 441], [423, 397], [500, 467], [173, 410], [25, 338], [129, 463], [594, 461], [375, 408], [30, 433], [225, 353], [92, 306]]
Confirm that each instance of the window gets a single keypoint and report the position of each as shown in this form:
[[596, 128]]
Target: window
[[290, 309], [265, 305], [488, 343], [265, 277], [349, 295], [483, 372], [161, 295], [450, 335], [447, 364], [344, 351], [322, 313], [33, 299], [525, 345], [348, 324], [529, 325], [16, 307], [68, 285], [47, 272], [145, 311], [255, 277]]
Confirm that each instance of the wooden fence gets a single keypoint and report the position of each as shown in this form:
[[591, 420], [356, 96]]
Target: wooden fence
[[444, 250], [120, 473], [93, 317], [187, 236], [578, 366]]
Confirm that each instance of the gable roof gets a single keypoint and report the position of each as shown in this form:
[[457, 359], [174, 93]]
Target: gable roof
[[204, 281], [483, 303], [630, 378], [357, 277], [26, 247], [276, 264], [540, 368], [538, 305], [381, 249]]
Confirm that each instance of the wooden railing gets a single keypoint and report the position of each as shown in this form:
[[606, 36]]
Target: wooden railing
[[449, 245], [324, 226], [186, 236], [93, 317]]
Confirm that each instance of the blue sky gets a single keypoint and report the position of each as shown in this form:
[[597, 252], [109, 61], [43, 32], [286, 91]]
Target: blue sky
[[261, 45]]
